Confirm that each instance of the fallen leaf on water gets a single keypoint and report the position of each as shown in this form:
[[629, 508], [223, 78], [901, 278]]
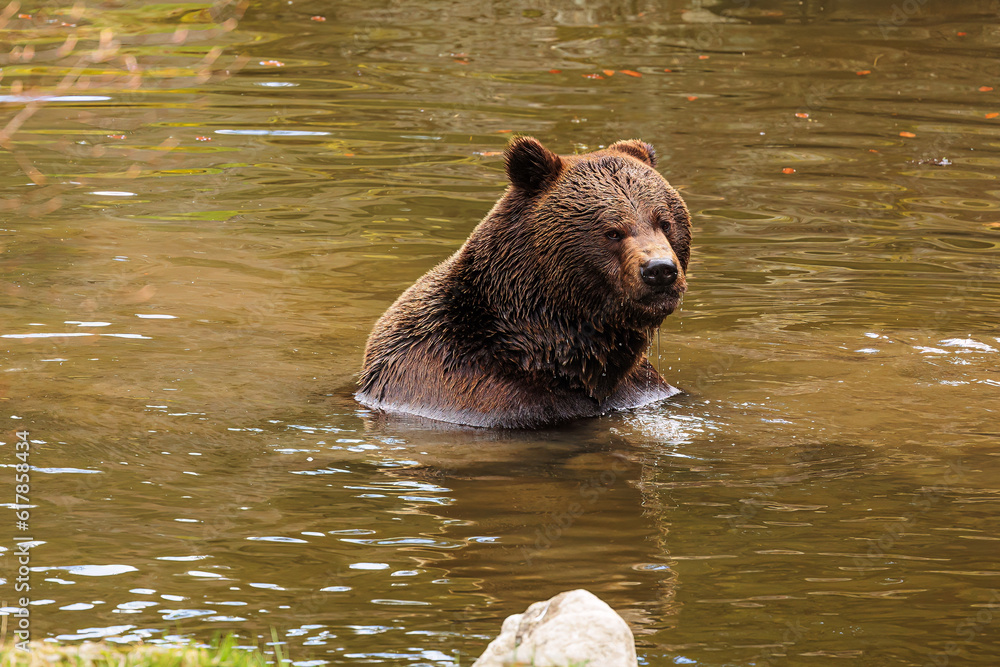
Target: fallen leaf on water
[[504, 131], [489, 153], [24, 16], [202, 138], [985, 89], [592, 76], [994, 225], [630, 72], [668, 70], [703, 57], [801, 115], [863, 72], [961, 34], [608, 72], [787, 170], [460, 61], [692, 98], [907, 134], [116, 136], [142, 294], [348, 154], [272, 63], [872, 150], [993, 114], [317, 18], [555, 71]]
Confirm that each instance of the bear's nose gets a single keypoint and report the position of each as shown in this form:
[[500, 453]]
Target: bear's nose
[[660, 272]]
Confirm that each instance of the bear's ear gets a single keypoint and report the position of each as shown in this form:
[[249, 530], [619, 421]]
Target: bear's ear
[[640, 150], [531, 166]]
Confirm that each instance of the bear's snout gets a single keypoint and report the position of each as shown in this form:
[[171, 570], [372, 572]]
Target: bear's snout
[[659, 273]]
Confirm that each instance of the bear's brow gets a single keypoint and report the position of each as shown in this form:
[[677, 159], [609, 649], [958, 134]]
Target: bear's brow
[[641, 209]]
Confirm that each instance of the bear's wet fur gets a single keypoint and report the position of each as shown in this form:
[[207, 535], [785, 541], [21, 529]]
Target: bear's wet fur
[[546, 312]]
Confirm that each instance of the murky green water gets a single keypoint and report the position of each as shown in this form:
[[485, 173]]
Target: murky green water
[[192, 260]]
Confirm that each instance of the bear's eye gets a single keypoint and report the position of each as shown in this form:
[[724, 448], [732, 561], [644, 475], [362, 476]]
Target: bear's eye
[[614, 235]]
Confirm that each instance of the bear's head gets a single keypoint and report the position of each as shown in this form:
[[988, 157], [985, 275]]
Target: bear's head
[[613, 233]]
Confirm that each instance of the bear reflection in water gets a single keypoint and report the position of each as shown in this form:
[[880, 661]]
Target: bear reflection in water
[[546, 312]]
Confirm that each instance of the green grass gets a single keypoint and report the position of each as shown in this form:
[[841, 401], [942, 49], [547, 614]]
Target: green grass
[[220, 652]]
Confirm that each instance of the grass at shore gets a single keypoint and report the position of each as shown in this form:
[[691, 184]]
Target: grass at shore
[[221, 653], [44, 654]]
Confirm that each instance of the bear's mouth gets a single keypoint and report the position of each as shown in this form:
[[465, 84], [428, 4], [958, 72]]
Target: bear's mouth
[[662, 302]]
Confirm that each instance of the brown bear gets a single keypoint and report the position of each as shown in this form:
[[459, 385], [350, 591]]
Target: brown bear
[[546, 312]]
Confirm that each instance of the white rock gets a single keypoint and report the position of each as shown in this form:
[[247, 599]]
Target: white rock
[[573, 628]]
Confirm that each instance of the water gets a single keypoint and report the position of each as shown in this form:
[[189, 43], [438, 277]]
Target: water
[[192, 260]]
